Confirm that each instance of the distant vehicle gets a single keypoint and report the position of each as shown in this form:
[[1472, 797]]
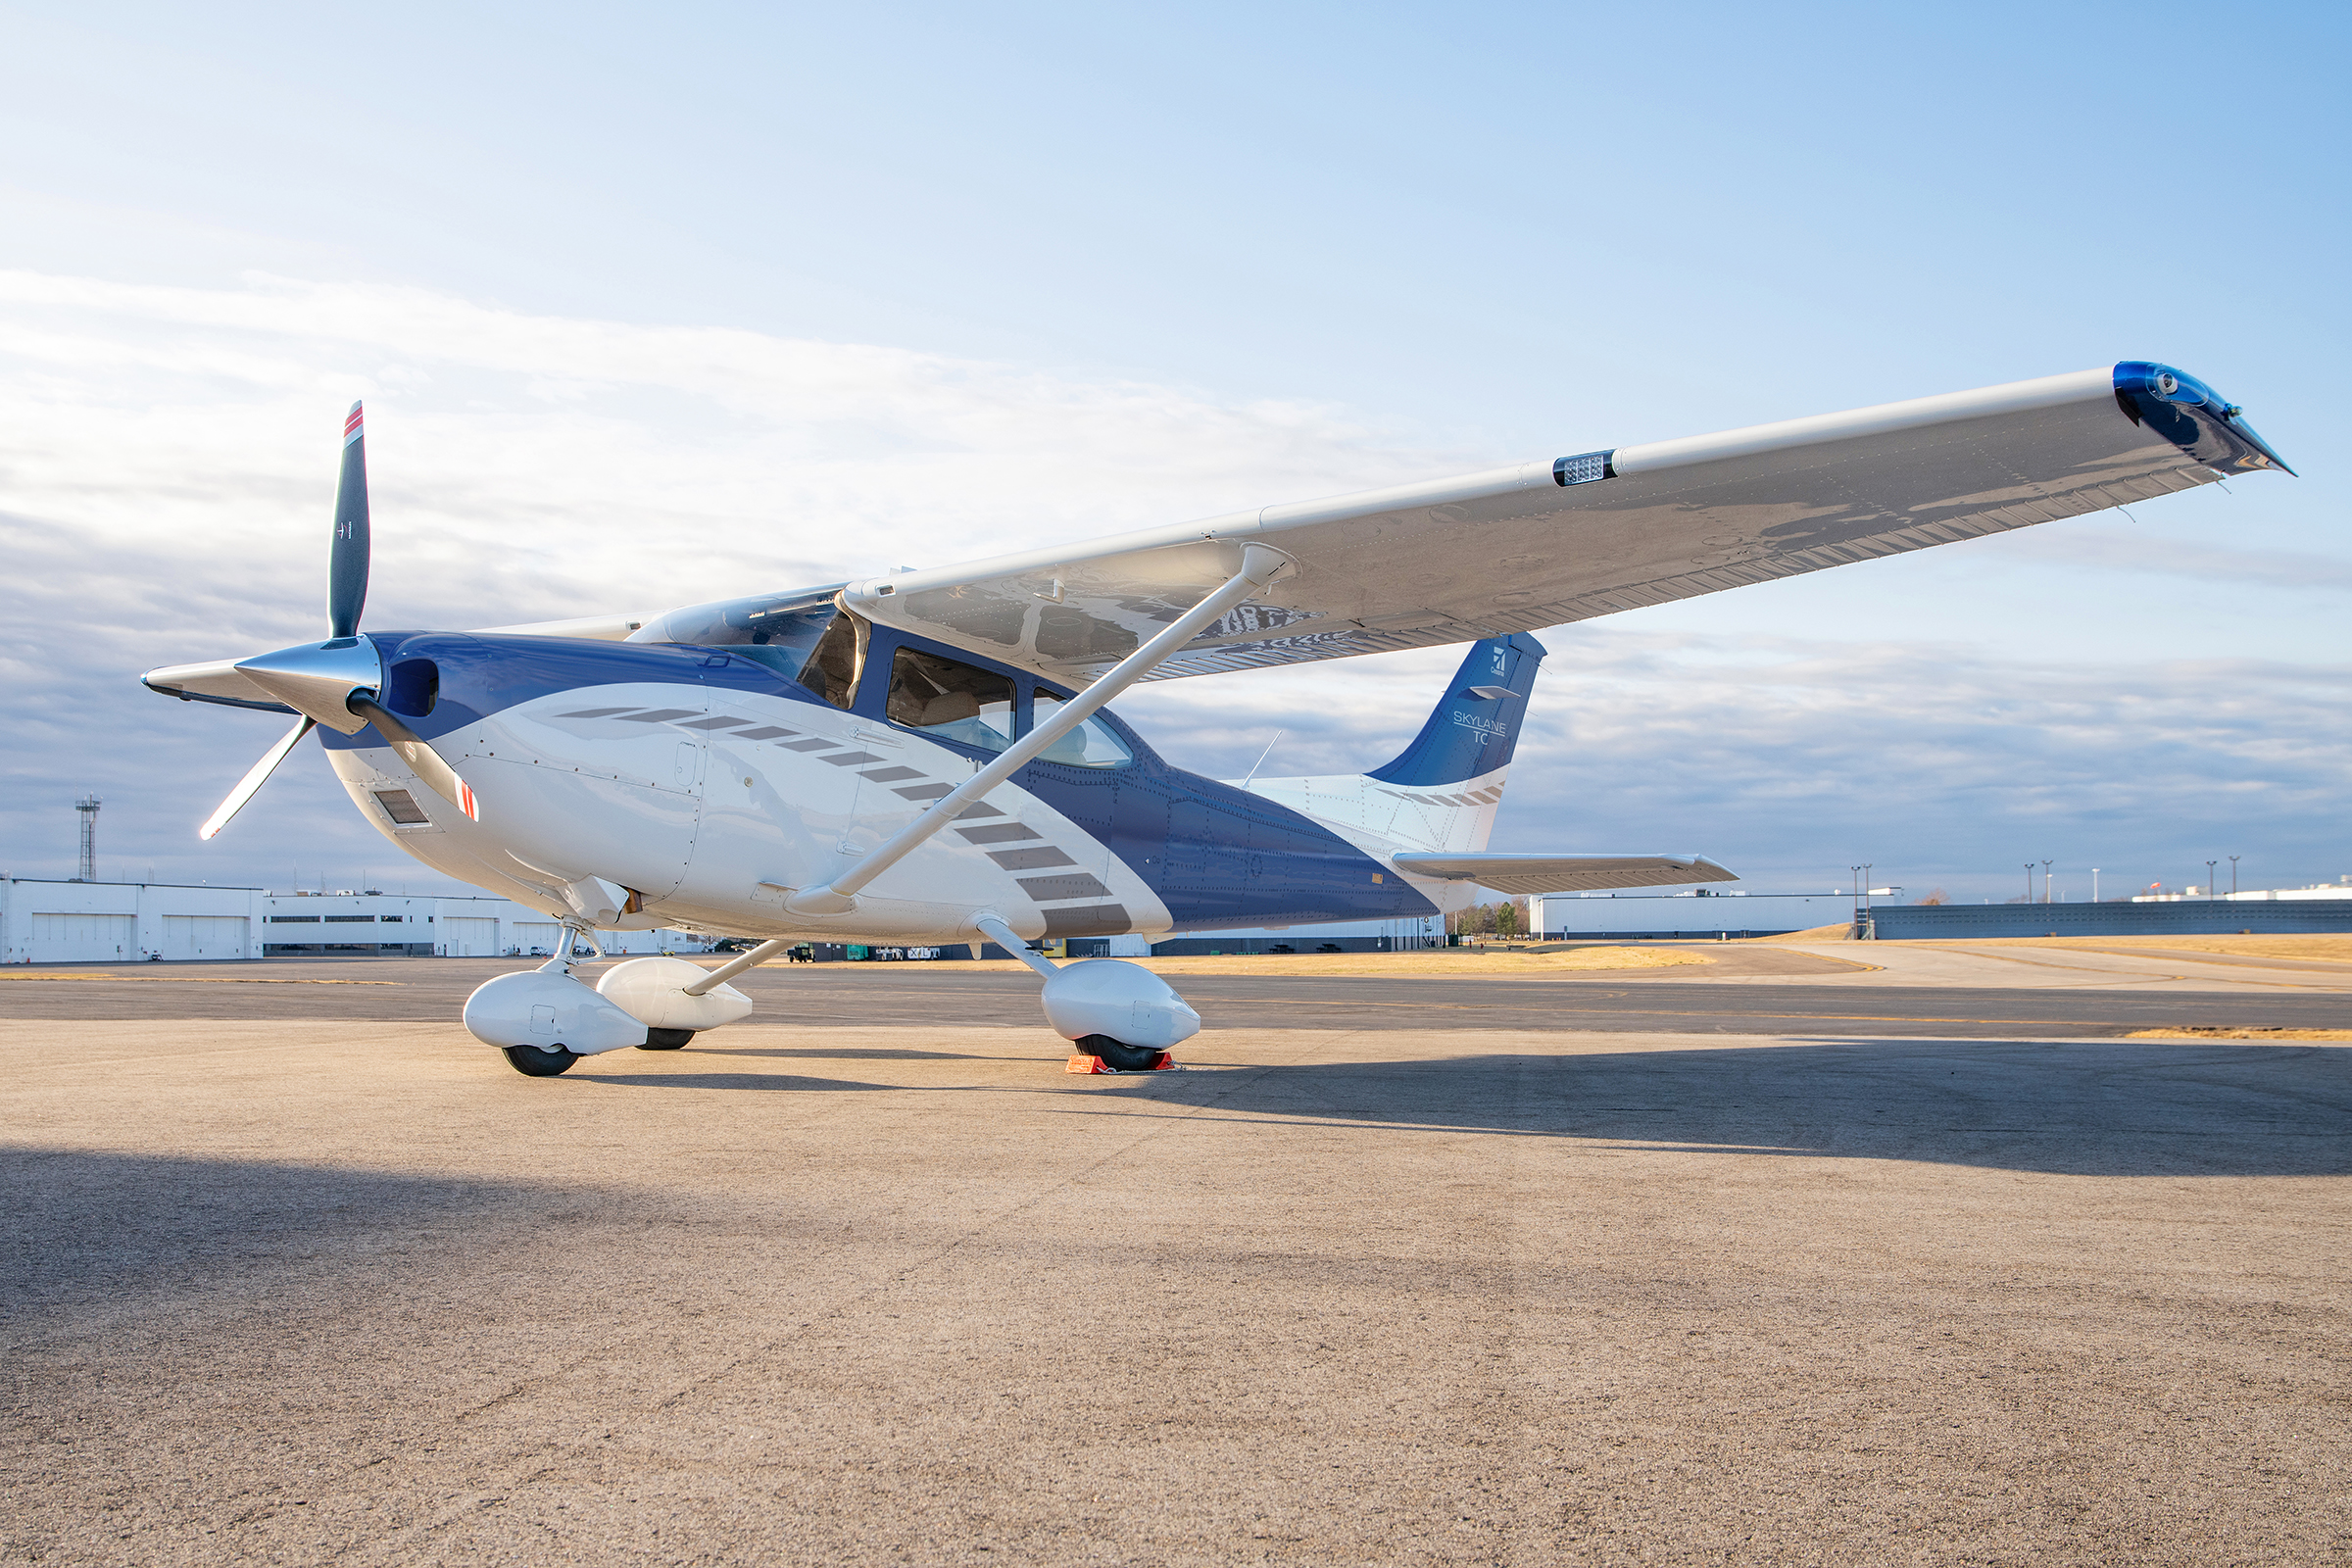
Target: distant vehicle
[[925, 757]]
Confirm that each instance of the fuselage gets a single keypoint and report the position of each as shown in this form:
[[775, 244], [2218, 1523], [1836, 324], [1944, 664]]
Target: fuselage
[[711, 782]]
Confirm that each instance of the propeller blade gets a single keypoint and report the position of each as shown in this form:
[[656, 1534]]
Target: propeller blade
[[254, 780], [416, 750], [347, 565]]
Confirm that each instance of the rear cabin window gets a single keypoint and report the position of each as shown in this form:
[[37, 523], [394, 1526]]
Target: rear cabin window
[[1090, 745], [951, 698]]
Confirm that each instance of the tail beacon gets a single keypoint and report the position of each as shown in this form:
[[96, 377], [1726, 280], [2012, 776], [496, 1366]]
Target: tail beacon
[[1441, 792]]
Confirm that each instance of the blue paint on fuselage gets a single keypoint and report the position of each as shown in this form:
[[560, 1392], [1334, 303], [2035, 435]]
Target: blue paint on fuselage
[[1215, 855]]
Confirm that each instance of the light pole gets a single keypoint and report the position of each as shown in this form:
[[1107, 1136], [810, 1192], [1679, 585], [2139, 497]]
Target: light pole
[[2234, 876], [2045, 881], [2094, 884], [2028, 881], [2209, 865]]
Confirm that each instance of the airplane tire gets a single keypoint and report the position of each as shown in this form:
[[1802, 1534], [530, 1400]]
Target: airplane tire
[[534, 1061], [1119, 1057], [666, 1039]]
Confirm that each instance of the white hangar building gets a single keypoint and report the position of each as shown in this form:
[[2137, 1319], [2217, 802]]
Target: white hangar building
[[131, 922]]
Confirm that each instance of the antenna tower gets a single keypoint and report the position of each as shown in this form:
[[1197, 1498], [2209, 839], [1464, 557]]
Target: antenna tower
[[88, 806]]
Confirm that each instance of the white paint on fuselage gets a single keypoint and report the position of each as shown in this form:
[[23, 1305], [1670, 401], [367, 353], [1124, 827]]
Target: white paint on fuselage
[[717, 825], [1381, 820]]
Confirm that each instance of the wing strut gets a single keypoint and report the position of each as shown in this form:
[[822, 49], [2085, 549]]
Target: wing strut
[[1260, 565]]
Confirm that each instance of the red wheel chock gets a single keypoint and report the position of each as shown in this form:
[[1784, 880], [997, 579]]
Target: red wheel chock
[[1093, 1064]]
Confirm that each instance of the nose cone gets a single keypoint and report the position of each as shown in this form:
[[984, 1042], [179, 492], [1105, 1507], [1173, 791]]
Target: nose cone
[[317, 678]]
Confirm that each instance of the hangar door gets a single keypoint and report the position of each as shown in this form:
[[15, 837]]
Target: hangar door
[[468, 936], [205, 936], [84, 938], [538, 939]]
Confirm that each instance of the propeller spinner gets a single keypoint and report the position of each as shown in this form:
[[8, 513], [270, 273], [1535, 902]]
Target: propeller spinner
[[335, 682]]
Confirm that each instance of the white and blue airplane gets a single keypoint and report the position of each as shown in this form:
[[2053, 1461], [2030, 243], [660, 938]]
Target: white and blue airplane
[[927, 757]]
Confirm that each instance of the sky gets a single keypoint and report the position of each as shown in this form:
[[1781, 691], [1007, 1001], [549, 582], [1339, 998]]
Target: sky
[[652, 306]]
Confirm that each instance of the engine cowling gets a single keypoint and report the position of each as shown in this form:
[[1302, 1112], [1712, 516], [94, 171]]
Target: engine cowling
[[1124, 1001]]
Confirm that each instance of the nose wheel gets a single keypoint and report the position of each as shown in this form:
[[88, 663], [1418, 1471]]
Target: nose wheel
[[539, 1062]]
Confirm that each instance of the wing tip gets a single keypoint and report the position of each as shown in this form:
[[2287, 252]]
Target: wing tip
[[2194, 416]]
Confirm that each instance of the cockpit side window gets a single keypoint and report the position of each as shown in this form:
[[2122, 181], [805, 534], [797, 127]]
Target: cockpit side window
[[832, 670], [951, 698]]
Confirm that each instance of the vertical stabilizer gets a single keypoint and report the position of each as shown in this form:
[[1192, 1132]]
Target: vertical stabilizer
[[1442, 791], [1475, 726]]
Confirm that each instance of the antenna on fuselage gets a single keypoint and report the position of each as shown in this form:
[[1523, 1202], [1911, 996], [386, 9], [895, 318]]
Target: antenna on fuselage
[[1262, 756]]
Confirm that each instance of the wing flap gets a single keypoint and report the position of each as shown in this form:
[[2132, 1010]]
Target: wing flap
[[1543, 544], [1565, 873]]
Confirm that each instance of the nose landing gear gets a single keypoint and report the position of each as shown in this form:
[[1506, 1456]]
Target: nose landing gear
[[540, 1061]]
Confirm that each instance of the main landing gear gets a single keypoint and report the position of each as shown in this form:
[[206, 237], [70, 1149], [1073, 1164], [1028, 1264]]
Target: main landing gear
[[1120, 1013], [1118, 1055]]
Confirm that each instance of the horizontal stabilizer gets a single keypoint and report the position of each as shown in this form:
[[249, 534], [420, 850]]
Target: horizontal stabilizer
[[1565, 873]]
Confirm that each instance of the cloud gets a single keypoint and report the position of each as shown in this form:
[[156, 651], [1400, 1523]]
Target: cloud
[[1791, 758], [2120, 550], [535, 465]]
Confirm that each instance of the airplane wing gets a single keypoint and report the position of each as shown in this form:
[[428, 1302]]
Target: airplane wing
[[1545, 543], [1565, 873]]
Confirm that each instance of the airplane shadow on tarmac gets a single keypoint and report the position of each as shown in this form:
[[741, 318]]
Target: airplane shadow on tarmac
[[2094, 1108], [855, 1053], [86, 1230], [729, 1080]]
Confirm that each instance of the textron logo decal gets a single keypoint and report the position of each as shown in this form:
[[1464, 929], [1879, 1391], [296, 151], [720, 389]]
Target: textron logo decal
[[1498, 660], [1494, 728]]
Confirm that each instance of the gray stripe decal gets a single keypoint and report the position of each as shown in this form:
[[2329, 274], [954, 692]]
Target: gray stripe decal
[[1086, 920], [1030, 860], [659, 716], [766, 732], [978, 808], [600, 713], [998, 833], [1073, 885], [852, 758], [719, 721], [925, 792], [807, 746], [883, 775]]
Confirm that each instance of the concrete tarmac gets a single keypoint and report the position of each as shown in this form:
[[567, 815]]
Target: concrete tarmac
[[293, 1289], [1949, 995]]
